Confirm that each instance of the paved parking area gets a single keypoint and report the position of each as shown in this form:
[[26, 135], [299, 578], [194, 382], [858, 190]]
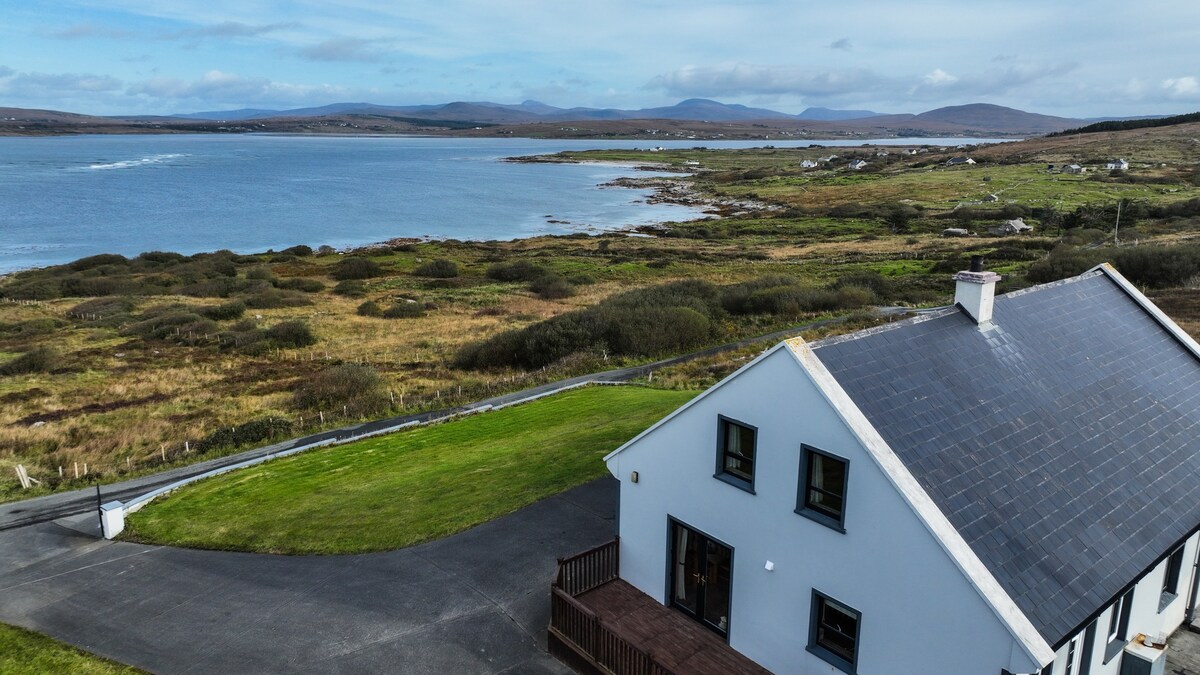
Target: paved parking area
[[476, 602]]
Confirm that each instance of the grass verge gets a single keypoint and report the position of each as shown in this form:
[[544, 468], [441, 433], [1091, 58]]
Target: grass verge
[[24, 651], [406, 488]]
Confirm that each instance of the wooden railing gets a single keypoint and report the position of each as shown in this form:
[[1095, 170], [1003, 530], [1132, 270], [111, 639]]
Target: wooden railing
[[580, 630], [584, 571]]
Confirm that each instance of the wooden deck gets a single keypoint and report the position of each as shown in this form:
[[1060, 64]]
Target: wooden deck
[[601, 624], [673, 639]]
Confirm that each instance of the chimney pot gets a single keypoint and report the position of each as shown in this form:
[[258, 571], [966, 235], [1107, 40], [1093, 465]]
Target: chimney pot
[[976, 263]]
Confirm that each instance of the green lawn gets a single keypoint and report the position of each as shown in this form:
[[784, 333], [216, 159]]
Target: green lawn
[[23, 651], [409, 487]]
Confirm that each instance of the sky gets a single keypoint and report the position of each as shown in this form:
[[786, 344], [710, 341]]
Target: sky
[[1088, 58]]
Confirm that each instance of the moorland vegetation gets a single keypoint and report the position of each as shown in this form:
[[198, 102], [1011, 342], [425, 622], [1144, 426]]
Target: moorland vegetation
[[112, 365]]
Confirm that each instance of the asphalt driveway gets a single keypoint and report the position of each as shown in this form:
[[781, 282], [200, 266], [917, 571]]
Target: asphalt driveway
[[475, 602]]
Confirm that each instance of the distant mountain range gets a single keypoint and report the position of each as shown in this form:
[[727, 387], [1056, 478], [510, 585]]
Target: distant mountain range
[[977, 116], [695, 118]]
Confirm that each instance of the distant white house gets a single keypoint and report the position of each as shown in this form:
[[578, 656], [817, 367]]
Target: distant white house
[[959, 161], [1074, 168], [1117, 164], [856, 164], [1014, 226], [808, 164], [956, 232], [830, 158], [1009, 485]]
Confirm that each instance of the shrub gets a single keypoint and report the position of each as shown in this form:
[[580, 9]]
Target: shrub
[[226, 312], [437, 269], [98, 260], [36, 289], [357, 387], [552, 287], [355, 268], [254, 431], [37, 360], [160, 257], [291, 334], [369, 308], [302, 284], [92, 287], [518, 270], [404, 310], [102, 307], [300, 251], [260, 273], [351, 289]]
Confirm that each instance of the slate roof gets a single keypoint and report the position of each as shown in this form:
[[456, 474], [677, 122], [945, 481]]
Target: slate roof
[[1063, 443]]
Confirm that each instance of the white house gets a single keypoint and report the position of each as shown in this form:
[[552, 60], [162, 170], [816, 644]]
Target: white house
[[807, 164], [1007, 485], [1074, 168], [959, 161], [856, 164], [1117, 164]]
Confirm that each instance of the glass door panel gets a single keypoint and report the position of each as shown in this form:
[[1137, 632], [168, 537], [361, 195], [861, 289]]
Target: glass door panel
[[701, 577]]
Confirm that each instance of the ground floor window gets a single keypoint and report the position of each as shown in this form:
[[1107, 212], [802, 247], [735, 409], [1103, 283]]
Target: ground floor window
[[833, 632]]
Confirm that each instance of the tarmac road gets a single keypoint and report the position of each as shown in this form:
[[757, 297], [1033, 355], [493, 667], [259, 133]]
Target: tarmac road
[[475, 602]]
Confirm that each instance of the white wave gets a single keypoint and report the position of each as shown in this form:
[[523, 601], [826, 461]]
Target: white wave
[[142, 161]]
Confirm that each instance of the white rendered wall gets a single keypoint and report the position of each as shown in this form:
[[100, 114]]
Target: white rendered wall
[[920, 615], [1144, 617]]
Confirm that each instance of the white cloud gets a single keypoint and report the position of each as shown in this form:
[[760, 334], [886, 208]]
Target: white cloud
[[1182, 87], [216, 87], [230, 29], [39, 85], [939, 78], [842, 44]]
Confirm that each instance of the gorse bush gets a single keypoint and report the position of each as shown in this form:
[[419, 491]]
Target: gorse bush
[[37, 360], [403, 310], [437, 269], [254, 431], [352, 288], [300, 284], [1153, 266], [226, 312], [359, 388], [291, 334], [517, 270], [552, 287], [356, 268], [654, 321]]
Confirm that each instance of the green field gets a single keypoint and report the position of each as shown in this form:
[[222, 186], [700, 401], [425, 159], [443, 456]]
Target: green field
[[409, 487], [25, 652]]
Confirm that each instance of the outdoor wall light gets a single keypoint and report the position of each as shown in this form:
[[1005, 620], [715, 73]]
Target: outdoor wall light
[[633, 477]]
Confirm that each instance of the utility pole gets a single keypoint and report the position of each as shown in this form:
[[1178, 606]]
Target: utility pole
[[1117, 226]]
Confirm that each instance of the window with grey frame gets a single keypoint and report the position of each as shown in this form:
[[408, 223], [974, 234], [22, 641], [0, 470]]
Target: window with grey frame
[[736, 452], [833, 633], [822, 493]]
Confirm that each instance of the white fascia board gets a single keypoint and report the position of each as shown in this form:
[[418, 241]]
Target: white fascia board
[[1150, 308], [1026, 635], [694, 401]]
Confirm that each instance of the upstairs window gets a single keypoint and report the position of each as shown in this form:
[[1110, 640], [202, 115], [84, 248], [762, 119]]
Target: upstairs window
[[736, 452], [823, 479]]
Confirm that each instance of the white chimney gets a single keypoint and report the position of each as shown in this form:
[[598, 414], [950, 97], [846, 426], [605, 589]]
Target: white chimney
[[975, 290]]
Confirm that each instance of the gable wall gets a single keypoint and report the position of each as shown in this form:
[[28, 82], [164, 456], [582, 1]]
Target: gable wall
[[920, 614]]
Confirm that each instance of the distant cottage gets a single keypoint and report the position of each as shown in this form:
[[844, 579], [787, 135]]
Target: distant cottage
[[959, 161], [1074, 168], [1014, 226], [808, 164], [857, 164], [1119, 164], [1009, 485]]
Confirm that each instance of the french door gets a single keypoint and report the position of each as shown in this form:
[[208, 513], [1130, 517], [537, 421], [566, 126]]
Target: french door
[[700, 577]]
